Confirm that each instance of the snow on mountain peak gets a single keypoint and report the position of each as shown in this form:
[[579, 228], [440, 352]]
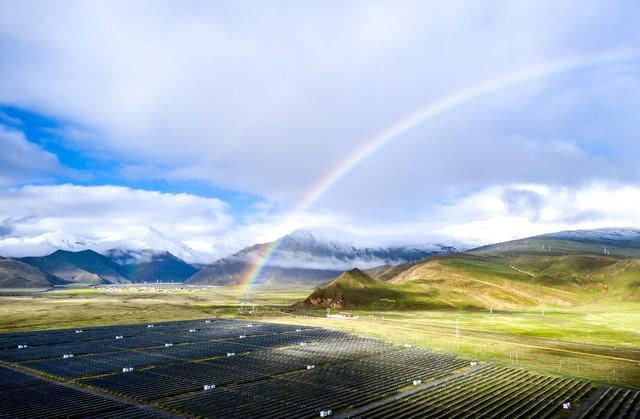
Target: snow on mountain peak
[[339, 250], [43, 244], [158, 241], [47, 243], [600, 234]]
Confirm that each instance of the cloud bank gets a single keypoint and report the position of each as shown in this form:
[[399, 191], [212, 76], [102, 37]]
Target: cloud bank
[[265, 98]]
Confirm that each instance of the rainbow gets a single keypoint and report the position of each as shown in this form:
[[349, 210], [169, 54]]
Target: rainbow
[[425, 113]]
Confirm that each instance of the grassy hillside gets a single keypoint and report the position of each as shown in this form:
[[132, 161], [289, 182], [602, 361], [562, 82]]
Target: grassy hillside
[[465, 281], [471, 281], [569, 268], [353, 289], [387, 272]]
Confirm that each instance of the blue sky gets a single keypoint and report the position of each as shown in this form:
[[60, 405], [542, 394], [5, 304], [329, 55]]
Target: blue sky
[[212, 122], [92, 169]]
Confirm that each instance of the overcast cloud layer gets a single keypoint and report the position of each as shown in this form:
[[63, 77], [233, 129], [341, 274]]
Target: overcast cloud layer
[[264, 98]]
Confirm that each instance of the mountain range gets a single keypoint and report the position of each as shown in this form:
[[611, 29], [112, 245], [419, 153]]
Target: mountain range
[[89, 267], [85, 267], [16, 274], [306, 256], [47, 243], [151, 265], [314, 258]]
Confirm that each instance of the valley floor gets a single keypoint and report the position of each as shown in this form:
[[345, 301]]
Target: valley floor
[[598, 342]]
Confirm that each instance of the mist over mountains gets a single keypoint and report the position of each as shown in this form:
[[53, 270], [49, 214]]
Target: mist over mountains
[[307, 256], [312, 256], [302, 257], [48, 243], [615, 236]]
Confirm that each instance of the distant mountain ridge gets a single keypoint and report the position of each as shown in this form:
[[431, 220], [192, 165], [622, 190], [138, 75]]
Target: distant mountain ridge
[[92, 268], [306, 257], [619, 237], [342, 254], [65, 259], [47, 243], [618, 242], [16, 274], [309, 257], [85, 267], [151, 265]]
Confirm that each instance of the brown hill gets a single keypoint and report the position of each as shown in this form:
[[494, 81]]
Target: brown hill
[[15, 274], [86, 267]]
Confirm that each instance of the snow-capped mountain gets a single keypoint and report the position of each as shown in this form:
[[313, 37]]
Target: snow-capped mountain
[[48, 243], [156, 241], [613, 242], [317, 249], [44, 244], [151, 265], [618, 235], [314, 256]]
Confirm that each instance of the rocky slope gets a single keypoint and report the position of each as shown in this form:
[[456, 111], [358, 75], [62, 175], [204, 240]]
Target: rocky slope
[[16, 274]]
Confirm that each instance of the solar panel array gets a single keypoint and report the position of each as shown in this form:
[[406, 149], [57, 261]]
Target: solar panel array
[[223, 368]]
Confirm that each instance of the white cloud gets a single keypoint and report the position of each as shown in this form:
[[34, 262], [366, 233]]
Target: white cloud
[[110, 213], [22, 161], [503, 213], [9, 119], [266, 97]]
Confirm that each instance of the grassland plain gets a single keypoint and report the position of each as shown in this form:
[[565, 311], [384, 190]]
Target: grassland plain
[[598, 341], [563, 313], [135, 304], [598, 345]]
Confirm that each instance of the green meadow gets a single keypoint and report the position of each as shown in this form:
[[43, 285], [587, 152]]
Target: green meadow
[[598, 341]]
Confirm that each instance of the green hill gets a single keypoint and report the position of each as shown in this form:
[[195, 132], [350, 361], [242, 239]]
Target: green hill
[[469, 280], [352, 289], [387, 272]]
